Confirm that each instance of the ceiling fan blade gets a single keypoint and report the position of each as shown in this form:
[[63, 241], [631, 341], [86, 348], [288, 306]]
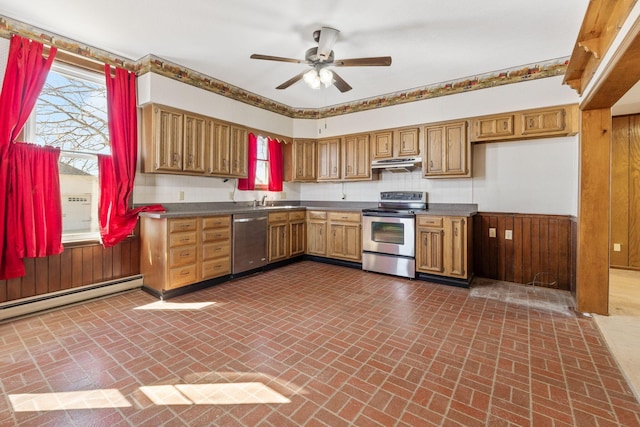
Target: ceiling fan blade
[[278, 58], [340, 83], [328, 37], [292, 80], [363, 62]]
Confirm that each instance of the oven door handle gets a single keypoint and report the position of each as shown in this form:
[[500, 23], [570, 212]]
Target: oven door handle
[[388, 214]]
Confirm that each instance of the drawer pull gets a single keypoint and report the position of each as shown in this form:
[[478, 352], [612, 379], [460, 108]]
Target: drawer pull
[[184, 273], [185, 254], [184, 239]]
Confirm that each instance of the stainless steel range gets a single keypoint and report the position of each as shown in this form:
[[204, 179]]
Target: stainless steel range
[[389, 233]]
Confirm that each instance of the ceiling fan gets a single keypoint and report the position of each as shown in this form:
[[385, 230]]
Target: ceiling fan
[[321, 57]]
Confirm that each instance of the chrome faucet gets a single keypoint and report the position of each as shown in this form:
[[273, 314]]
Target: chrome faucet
[[264, 200]]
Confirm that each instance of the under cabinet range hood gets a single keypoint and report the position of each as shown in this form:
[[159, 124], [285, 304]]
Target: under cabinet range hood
[[397, 164]]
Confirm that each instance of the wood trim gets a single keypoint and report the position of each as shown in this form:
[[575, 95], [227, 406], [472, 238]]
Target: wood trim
[[75, 267], [592, 270], [621, 74], [541, 243], [602, 22]]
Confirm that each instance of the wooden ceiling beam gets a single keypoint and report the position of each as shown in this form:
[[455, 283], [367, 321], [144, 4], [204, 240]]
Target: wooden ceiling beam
[[601, 24]]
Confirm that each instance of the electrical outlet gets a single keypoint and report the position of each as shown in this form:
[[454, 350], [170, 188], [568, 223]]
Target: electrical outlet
[[181, 195], [492, 232], [616, 247], [283, 195], [508, 234]]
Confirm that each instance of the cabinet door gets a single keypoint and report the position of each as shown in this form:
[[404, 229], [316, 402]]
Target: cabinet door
[[239, 159], [456, 150], [194, 143], [304, 160], [277, 241], [407, 142], [168, 140], [429, 250], [456, 246], [335, 240], [329, 160], [218, 148], [382, 145], [435, 150], [317, 238], [296, 238], [352, 245], [448, 150], [357, 160]]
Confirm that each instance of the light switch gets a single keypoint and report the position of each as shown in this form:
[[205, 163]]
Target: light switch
[[492, 232], [616, 247], [508, 234]]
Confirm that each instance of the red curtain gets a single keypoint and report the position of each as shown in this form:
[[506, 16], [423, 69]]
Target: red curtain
[[117, 173], [24, 77], [36, 206], [249, 183], [276, 166]]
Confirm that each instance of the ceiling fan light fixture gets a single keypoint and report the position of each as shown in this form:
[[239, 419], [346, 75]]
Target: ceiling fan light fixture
[[312, 79], [326, 77]]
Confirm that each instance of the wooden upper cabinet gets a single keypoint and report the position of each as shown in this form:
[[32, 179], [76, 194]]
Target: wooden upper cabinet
[[406, 142], [300, 160], [180, 142], [194, 143], [527, 124], [448, 151], [162, 133], [357, 157], [218, 148], [382, 144], [395, 143], [239, 152], [329, 159]]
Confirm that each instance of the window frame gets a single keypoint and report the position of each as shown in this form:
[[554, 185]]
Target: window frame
[[78, 70]]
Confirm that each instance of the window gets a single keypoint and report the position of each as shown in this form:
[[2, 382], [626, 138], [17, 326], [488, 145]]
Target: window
[[262, 163], [71, 113]]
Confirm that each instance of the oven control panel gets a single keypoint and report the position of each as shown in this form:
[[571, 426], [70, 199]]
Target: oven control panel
[[407, 196]]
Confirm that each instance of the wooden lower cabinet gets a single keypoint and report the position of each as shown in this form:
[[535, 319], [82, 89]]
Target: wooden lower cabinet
[[317, 233], [286, 236], [443, 245], [344, 240], [177, 252]]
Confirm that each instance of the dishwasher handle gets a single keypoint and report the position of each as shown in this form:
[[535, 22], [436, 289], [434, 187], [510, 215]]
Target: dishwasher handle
[[260, 218]]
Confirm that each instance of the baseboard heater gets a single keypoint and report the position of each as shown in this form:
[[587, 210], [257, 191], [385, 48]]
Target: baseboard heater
[[57, 299]]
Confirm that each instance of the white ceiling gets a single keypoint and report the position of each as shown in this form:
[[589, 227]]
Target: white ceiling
[[430, 41]]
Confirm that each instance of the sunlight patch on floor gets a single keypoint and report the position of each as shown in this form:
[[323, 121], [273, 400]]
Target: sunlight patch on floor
[[89, 399], [164, 305], [213, 394]]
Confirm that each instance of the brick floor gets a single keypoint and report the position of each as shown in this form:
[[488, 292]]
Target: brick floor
[[317, 345]]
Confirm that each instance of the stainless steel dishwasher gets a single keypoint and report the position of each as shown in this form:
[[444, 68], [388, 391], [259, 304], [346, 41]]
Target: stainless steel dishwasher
[[249, 241]]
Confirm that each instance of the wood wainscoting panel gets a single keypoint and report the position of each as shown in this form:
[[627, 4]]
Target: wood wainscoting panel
[[74, 267], [540, 244]]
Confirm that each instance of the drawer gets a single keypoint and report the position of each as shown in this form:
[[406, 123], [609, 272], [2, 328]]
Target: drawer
[[180, 225], [316, 215], [216, 222], [182, 255], [430, 221], [182, 239], [277, 216], [296, 216], [216, 235], [344, 216], [182, 276], [215, 268], [215, 250]]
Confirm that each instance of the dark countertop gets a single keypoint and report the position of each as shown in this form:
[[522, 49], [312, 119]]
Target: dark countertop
[[183, 210]]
